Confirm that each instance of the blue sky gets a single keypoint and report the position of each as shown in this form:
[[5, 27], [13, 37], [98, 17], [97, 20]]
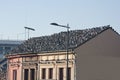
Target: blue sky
[[38, 14]]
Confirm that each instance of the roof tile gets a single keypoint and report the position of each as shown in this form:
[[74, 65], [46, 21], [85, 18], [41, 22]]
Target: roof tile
[[57, 42]]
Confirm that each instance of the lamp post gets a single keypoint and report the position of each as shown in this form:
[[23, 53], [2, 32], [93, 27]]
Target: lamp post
[[28, 28], [67, 45]]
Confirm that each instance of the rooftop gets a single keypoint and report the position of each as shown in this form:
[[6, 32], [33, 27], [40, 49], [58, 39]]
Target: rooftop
[[57, 42]]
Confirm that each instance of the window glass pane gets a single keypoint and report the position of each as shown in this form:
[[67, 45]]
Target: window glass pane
[[61, 73], [25, 74], [50, 73], [43, 73], [14, 74], [32, 74], [69, 73]]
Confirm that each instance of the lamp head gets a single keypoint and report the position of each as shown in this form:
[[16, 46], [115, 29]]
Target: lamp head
[[55, 24]]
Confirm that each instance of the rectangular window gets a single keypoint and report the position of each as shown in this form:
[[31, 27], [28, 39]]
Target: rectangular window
[[69, 73], [50, 74], [14, 74], [32, 74], [25, 74], [43, 73], [61, 73]]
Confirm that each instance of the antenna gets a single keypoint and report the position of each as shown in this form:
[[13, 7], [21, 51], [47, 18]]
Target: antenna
[[28, 28]]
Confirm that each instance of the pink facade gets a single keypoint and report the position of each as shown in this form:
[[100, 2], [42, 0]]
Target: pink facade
[[14, 68]]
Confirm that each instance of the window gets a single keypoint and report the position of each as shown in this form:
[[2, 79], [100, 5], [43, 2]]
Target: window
[[43, 73], [32, 74], [50, 73], [61, 73], [69, 73], [14, 74], [25, 74]]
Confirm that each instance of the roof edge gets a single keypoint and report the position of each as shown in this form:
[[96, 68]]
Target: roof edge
[[94, 37]]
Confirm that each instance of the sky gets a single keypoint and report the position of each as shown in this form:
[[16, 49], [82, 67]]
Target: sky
[[38, 14]]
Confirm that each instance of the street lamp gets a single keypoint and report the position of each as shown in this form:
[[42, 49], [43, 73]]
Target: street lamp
[[67, 45], [28, 28]]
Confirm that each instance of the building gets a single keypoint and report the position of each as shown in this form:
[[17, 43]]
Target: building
[[36, 66], [99, 58], [94, 54]]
